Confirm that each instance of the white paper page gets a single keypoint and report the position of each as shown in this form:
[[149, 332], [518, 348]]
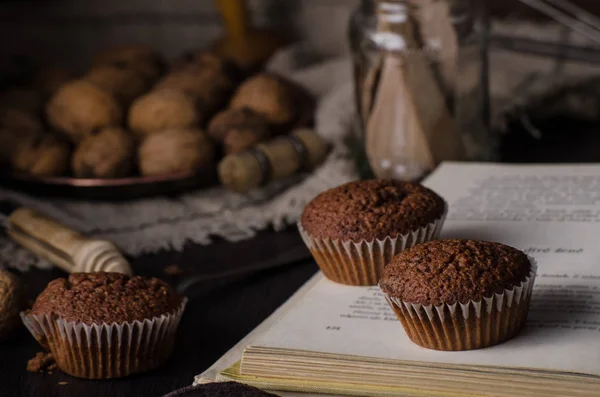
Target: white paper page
[[552, 212]]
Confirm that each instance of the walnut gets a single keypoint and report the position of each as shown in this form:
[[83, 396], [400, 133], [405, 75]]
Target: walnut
[[106, 154], [80, 107], [162, 109], [42, 154], [142, 59], [239, 129], [124, 83], [269, 96], [175, 150], [210, 87], [10, 303], [204, 59]]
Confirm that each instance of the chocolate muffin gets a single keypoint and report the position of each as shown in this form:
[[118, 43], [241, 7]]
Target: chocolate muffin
[[459, 294], [110, 325], [220, 389], [375, 219]]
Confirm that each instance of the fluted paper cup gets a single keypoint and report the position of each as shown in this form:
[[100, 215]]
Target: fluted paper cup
[[471, 325], [103, 351], [361, 263]]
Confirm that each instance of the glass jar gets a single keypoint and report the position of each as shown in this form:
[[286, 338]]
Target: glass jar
[[421, 84]]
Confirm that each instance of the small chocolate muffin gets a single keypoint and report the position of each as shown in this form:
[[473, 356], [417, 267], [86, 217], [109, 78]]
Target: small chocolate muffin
[[124, 83], [97, 298], [112, 325], [41, 154], [370, 210], [80, 107], [175, 150], [163, 109], [378, 218], [456, 277], [109, 153], [220, 389], [268, 95]]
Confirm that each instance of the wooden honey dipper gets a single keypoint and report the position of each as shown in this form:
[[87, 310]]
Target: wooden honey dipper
[[63, 247]]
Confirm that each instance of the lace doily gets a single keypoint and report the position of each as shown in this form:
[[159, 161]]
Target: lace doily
[[151, 225]]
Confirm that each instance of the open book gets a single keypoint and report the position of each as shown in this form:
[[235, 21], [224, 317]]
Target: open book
[[346, 340]]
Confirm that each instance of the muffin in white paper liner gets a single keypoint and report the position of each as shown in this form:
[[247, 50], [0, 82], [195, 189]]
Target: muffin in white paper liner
[[103, 351], [361, 263], [467, 326]]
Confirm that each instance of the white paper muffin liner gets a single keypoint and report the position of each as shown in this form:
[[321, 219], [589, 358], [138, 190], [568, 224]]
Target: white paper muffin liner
[[103, 351], [361, 263], [467, 326]]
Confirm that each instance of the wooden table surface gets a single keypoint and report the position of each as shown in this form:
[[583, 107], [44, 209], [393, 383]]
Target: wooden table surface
[[220, 312]]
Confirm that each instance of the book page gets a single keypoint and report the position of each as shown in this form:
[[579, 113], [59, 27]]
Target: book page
[[550, 212]]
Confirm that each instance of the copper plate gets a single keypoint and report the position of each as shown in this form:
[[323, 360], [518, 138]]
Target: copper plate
[[128, 188]]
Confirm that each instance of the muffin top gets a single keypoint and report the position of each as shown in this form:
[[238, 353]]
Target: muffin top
[[94, 298], [450, 271], [224, 389], [369, 210]]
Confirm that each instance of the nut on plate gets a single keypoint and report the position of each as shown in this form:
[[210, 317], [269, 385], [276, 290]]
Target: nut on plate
[[124, 83], [175, 150], [162, 109], [137, 57], [210, 87], [19, 120], [49, 79], [204, 59], [42, 154], [239, 129], [80, 107], [106, 154], [10, 303], [268, 95]]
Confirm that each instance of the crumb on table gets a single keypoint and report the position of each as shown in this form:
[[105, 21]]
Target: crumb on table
[[63, 383], [173, 270], [42, 362]]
